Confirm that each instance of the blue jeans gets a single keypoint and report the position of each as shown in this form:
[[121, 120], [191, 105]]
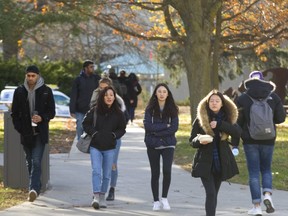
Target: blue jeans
[[114, 172], [79, 120], [34, 157], [101, 162], [259, 160]]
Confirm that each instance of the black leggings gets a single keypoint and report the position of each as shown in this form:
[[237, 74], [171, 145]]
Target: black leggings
[[167, 160], [212, 186]]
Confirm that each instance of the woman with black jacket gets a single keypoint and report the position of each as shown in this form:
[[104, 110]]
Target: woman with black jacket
[[109, 126], [161, 124], [214, 161]]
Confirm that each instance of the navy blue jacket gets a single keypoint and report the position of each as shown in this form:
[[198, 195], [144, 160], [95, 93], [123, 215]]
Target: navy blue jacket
[[81, 93], [258, 89], [157, 132]]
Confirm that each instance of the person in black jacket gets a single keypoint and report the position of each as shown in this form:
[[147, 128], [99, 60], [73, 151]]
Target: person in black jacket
[[32, 108], [259, 152], [161, 123], [213, 161], [131, 98], [82, 89], [109, 126]]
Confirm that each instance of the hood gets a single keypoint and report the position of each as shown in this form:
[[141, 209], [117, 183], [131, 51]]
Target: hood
[[257, 88], [202, 114]]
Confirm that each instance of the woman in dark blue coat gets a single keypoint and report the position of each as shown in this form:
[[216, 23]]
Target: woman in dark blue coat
[[161, 124]]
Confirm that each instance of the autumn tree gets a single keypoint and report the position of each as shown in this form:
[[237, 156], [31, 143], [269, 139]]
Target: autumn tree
[[17, 17], [199, 30]]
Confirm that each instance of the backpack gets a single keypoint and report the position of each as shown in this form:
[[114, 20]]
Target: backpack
[[261, 126]]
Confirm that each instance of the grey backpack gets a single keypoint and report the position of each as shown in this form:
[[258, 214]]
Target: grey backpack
[[261, 126]]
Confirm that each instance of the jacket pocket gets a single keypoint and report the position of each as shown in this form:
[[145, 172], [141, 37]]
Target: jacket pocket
[[104, 140]]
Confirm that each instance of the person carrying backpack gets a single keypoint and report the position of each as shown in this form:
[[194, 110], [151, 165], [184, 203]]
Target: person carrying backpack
[[259, 105]]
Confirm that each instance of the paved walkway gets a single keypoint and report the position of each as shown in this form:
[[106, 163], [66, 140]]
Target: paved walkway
[[70, 190]]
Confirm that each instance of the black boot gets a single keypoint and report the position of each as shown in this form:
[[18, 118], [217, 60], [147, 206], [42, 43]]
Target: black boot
[[110, 196]]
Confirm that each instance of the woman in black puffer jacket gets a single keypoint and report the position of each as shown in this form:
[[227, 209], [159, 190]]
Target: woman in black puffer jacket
[[110, 125], [214, 161]]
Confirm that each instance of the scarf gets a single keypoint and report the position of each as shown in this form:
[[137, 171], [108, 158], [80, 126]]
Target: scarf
[[216, 165]]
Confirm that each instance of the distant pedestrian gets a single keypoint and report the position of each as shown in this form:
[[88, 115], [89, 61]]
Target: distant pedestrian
[[33, 107], [116, 84], [133, 90], [123, 79], [214, 162], [161, 124], [82, 89], [109, 126], [259, 151]]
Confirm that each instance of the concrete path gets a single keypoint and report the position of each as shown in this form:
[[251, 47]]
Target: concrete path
[[70, 190]]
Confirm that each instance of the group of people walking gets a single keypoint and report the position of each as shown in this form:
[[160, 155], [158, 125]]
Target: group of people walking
[[100, 109]]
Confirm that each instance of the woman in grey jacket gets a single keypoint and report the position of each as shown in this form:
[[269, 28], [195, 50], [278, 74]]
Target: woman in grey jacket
[[161, 124], [214, 161]]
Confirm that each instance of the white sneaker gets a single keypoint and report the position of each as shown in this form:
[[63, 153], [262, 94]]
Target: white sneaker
[[255, 211], [268, 203], [156, 206], [32, 195], [95, 202], [165, 204]]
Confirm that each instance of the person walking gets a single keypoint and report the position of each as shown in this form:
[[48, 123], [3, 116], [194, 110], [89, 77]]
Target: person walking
[[103, 83], [82, 89], [33, 107], [258, 151], [161, 124], [106, 123], [131, 99], [213, 161]]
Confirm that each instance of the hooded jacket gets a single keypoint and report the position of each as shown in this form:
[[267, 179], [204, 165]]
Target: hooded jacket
[[258, 89], [203, 158], [21, 113]]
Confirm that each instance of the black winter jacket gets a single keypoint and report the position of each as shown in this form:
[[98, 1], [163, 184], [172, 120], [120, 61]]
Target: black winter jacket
[[44, 104], [81, 93], [258, 89], [109, 127], [203, 158]]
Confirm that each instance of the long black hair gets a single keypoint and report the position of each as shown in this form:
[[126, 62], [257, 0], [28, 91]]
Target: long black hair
[[102, 107], [170, 108]]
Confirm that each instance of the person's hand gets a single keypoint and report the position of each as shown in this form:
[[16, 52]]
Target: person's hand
[[73, 115], [213, 124], [204, 142], [36, 119]]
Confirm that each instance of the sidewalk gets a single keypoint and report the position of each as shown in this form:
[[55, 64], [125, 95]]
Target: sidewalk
[[70, 190]]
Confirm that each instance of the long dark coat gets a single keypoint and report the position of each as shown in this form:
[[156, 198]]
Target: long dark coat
[[203, 158]]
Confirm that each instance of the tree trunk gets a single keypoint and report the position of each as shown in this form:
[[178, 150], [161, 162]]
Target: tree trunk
[[197, 62], [196, 48], [10, 47]]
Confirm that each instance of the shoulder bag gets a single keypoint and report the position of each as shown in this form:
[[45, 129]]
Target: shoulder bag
[[84, 141]]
